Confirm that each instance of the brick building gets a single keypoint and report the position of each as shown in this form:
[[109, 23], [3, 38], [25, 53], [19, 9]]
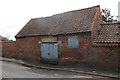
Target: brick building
[[61, 37], [74, 36]]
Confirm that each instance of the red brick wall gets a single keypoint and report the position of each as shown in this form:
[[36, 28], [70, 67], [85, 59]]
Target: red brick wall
[[80, 54], [97, 21], [28, 48], [106, 56], [9, 49]]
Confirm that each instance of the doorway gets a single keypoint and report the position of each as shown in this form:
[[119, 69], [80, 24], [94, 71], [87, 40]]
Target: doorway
[[49, 53]]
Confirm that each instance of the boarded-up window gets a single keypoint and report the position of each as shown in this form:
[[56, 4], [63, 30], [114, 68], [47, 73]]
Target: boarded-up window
[[72, 42]]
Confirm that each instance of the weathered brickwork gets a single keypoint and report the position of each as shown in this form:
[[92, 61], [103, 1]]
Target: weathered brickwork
[[29, 48], [79, 54], [106, 56], [9, 49], [97, 22]]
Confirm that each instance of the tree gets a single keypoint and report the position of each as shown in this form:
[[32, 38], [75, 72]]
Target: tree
[[107, 17]]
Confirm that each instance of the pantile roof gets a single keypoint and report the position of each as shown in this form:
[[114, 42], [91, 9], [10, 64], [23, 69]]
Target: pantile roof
[[65, 23], [108, 34]]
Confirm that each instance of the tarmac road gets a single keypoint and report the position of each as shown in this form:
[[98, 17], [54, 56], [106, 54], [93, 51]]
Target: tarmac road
[[12, 70]]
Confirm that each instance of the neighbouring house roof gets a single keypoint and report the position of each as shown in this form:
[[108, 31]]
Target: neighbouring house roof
[[64, 23], [3, 38], [0, 38], [108, 34]]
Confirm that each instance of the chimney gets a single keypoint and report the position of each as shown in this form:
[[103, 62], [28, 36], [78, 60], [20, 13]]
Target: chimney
[[119, 11]]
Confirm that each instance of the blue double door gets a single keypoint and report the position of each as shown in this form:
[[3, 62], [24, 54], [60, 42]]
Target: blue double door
[[49, 53]]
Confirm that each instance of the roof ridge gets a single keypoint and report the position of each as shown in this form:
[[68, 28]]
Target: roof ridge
[[85, 8]]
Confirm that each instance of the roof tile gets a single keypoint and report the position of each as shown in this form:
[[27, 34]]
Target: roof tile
[[108, 33], [64, 23]]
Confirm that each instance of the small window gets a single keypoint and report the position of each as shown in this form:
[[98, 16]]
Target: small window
[[72, 42]]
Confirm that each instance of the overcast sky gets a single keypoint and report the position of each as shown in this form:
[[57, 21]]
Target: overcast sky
[[14, 14]]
